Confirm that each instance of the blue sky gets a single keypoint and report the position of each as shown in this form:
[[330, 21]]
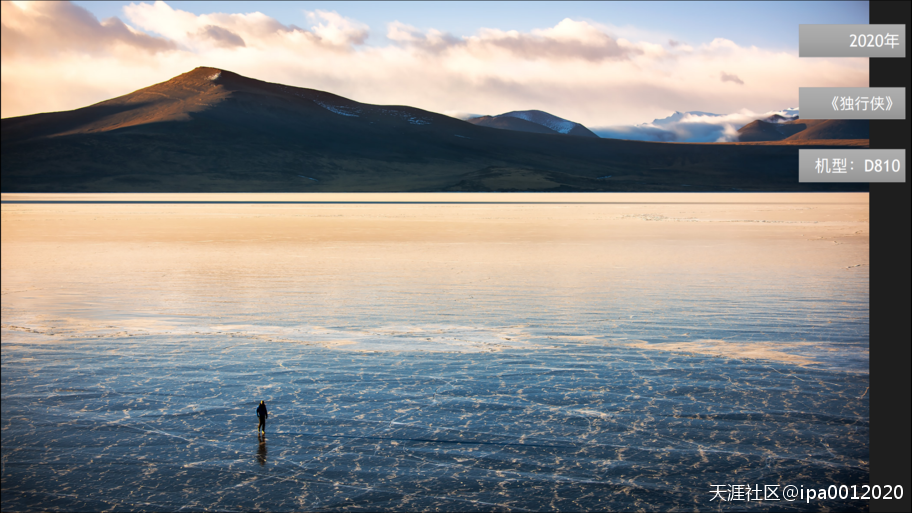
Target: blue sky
[[767, 24]]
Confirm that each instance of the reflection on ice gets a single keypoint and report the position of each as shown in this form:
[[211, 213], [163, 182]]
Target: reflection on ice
[[261, 450]]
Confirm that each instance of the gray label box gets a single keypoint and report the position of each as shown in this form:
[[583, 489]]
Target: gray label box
[[852, 102], [855, 165], [838, 40]]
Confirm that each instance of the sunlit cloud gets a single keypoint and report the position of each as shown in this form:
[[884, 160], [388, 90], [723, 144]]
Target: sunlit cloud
[[336, 30], [198, 33], [59, 56], [567, 40], [48, 29], [433, 41]]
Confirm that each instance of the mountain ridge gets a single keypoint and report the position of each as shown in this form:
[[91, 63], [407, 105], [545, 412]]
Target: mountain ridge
[[211, 130], [804, 129], [509, 123], [530, 120]]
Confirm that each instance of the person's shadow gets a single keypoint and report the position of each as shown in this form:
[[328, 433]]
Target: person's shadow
[[261, 451]]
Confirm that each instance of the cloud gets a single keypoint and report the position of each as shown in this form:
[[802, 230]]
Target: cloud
[[198, 33], [568, 39], [433, 41], [338, 30], [691, 127], [46, 29], [220, 36], [636, 133], [731, 78], [575, 69]]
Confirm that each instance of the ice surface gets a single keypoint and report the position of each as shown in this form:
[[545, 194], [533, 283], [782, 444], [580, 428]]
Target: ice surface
[[164, 423], [504, 356]]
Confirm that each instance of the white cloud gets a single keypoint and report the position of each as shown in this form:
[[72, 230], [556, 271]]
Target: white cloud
[[46, 30], [337, 30], [199, 33]]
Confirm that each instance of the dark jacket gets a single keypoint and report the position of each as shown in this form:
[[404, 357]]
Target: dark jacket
[[261, 411]]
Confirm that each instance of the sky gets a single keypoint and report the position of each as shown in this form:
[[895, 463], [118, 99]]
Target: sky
[[597, 63]]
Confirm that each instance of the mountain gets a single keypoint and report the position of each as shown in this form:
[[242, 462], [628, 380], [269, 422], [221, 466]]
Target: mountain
[[528, 120], [551, 121], [804, 130], [778, 118], [211, 130], [791, 112], [765, 131], [508, 123]]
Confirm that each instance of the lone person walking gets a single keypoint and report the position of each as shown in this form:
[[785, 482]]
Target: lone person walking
[[262, 414]]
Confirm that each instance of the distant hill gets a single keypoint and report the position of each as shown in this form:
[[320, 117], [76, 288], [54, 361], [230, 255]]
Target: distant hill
[[551, 121], [764, 131], [804, 129], [210, 130], [508, 123], [528, 120]]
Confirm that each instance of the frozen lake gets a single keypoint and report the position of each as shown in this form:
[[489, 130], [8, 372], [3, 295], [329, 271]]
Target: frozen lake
[[457, 352]]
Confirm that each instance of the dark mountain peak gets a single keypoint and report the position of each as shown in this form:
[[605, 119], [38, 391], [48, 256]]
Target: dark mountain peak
[[218, 95], [511, 123], [532, 112], [200, 74], [544, 119]]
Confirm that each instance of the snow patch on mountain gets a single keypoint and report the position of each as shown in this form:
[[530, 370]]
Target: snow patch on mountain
[[340, 110], [791, 112], [415, 120]]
